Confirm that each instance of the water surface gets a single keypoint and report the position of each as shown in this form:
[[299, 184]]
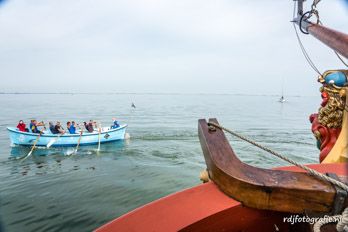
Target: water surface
[[56, 192]]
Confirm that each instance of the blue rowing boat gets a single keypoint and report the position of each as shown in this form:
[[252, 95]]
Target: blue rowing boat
[[28, 139]]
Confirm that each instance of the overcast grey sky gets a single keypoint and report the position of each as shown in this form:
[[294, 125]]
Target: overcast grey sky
[[161, 46]]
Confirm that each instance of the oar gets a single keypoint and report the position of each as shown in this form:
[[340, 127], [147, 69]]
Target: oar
[[52, 141], [99, 131], [33, 147], [78, 142]]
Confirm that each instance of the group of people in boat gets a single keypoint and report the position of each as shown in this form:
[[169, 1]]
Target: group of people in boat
[[71, 127]]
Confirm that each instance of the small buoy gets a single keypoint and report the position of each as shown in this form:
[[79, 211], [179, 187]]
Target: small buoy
[[126, 136]]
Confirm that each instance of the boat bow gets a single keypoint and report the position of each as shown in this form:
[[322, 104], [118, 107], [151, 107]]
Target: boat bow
[[339, 152]]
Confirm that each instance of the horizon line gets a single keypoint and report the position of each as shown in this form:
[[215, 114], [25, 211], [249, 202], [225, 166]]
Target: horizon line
[[144, 93]]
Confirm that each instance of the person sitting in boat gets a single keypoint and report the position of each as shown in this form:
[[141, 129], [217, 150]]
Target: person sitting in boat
[[59, 128], [68, 125], [71, 126], [115, 124], [53, 128], [95, 125], [22, 127], [34, 126], [89, 126], [74, 126]]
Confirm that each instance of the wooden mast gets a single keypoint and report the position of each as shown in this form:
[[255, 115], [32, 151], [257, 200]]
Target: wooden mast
[[336, 40]]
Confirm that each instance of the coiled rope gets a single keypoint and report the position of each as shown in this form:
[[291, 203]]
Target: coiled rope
[[341, 225]]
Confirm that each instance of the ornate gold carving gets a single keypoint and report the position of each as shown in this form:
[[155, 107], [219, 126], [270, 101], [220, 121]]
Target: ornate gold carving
[[317, 134], [331, 114]]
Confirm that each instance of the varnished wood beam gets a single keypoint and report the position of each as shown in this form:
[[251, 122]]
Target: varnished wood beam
[[261, 188], [336, 40]]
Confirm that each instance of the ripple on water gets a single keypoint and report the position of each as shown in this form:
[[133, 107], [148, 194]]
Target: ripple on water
[[55, 191]]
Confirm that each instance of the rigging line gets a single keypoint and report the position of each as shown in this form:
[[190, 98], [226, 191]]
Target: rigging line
[[315, 3], [304, 52], [340, 58], [337, 54], [314, 10]]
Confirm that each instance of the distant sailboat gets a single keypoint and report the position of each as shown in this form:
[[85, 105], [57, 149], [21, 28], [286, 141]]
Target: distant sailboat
[[282, 99]]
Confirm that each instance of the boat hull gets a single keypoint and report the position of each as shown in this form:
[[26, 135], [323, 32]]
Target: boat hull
[[66, 140], [206, 208]]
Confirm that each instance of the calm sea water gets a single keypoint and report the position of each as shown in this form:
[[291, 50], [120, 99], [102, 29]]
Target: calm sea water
[[82, 192]]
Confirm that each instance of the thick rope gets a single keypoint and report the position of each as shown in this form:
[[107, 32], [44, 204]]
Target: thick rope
[[309, 170], [342, 225], [341, 219]]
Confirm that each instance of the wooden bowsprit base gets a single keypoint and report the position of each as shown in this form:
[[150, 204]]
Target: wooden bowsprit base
[[262, 188]]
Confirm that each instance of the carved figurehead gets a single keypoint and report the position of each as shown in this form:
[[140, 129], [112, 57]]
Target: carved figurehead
[[327, 123]]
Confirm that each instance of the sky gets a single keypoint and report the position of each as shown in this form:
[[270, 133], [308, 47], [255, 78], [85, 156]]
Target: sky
[[161, 46]]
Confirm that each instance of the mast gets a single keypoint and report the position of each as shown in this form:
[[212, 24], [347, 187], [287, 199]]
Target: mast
[[336, 40]]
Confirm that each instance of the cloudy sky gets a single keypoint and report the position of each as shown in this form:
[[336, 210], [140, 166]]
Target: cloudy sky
[[160, 46]]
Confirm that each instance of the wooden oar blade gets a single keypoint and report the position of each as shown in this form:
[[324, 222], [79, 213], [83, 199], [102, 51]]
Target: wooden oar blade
[[29, 154], [78, 142], [33, 147], [51, 142], [99, 131]]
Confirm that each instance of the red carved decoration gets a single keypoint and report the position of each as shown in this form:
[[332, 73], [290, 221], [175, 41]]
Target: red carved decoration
[[325, 96], [327, 136]]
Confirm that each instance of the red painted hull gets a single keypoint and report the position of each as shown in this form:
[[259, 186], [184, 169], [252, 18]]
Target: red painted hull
[[205, 208]]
